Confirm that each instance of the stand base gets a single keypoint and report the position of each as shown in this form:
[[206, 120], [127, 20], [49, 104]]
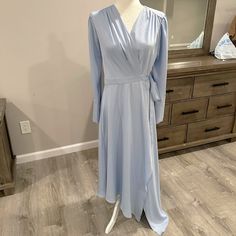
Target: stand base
[[114, 216]]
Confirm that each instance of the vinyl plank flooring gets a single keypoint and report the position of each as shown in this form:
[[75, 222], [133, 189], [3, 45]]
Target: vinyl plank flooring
[[56, 196]]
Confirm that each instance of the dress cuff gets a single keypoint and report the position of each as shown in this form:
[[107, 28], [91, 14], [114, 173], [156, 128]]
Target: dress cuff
[[159, 110], [154, 90], [96, 111]]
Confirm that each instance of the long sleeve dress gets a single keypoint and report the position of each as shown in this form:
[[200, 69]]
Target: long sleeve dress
[[128, 74]]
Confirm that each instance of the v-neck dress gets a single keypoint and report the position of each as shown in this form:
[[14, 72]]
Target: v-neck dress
[[128, 74]]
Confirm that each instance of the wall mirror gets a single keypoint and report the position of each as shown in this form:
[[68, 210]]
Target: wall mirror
[[190, 25]]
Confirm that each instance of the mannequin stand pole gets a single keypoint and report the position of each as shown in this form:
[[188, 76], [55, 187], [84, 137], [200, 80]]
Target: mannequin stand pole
[[114, 216]]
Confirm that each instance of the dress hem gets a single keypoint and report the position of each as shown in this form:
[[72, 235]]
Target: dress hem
[[156, 229], [113, 201]]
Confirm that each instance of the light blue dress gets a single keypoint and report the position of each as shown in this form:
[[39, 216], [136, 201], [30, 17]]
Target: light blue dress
[[128, 74]]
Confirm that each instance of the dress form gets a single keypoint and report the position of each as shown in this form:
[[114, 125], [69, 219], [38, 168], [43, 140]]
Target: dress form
[[129, 11]]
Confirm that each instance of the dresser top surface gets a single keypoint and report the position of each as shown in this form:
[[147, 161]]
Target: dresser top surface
[[198, 65]]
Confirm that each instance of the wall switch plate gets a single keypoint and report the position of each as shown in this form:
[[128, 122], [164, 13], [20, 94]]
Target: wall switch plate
[[25, 127]]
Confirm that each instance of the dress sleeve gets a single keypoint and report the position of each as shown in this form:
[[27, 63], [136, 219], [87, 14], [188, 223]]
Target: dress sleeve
[[95, 68], [159, 71]]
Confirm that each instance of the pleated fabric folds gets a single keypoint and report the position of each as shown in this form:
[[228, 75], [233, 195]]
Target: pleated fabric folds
[[128, 75]]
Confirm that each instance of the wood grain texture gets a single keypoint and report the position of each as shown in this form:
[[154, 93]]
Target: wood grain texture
[[210, 128], [191, 66], [208, 79], [56, 196], [171, 136], [189, 111], [221, 104], [2, 109], [228, 137], [177, 89], [208, 85], [6, 157]]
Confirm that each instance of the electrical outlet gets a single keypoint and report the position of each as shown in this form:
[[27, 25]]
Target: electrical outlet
[[25, 127]]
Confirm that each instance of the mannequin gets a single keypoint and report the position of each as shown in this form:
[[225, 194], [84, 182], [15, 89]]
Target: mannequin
[[128, 111], [129, 11]]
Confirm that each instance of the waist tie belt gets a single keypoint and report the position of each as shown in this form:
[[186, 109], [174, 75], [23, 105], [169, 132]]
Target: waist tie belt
[[135, 78], [125, 79]]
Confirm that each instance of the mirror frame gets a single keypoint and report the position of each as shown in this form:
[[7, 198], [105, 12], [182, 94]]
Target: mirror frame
[[206, 40]]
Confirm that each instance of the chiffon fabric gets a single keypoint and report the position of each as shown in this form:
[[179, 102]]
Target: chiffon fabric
[[128, 75]]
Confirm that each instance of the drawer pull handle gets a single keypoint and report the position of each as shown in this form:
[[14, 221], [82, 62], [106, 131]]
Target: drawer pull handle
[[169, 90], [224, 106], [189, 112], [220, 84], [211, 129], [163, 139]]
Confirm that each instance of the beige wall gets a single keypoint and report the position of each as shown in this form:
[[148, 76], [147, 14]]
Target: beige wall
[[45, 70]]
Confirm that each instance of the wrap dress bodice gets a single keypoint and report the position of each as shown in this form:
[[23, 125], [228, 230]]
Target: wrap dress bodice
[[128, 74]]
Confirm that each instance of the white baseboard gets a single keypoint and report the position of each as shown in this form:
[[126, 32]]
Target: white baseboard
[[55, 151]]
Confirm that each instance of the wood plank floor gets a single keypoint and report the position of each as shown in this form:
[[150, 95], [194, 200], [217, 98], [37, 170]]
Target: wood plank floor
[[56, 196]]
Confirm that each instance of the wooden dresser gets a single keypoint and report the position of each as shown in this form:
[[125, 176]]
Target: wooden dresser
[[200, 103], [7, 162]]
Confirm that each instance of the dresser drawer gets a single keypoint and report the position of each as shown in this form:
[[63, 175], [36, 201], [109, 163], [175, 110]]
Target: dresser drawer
[[170, 136], [166, 116], [221, 104], [210, 128], [5, 155], [177, 89], [214, 84], [189, 111]]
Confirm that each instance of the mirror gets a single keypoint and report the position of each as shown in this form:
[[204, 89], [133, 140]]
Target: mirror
[[186, 21], [190, 25]]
